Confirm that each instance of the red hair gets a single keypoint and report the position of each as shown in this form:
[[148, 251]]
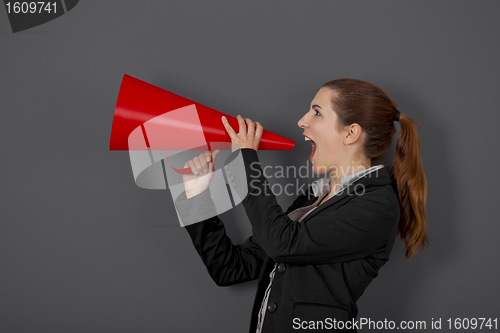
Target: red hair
[[357, 101]]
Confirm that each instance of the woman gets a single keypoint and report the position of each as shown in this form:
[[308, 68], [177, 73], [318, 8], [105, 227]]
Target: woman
[[314, 260]]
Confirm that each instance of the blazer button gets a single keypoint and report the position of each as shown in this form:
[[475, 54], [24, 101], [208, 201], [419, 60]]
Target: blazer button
[[271, 307], [281, 268]]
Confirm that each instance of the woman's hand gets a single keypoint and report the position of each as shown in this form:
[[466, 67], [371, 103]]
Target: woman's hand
[[203, 171], [248, 136]]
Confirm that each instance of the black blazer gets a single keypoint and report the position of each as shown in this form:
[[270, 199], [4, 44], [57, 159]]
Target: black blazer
[[325, 262]]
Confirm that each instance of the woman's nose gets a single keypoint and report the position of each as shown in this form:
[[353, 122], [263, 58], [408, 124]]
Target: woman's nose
[[302, 122]]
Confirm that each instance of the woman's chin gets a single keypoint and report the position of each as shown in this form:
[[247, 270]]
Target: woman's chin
[[316, 168]]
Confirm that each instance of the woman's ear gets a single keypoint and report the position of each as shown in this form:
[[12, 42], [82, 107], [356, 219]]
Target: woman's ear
[[353, 134]]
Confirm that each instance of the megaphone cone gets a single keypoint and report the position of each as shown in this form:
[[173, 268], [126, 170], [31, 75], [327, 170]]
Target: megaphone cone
[[171, 122], [139, 102]]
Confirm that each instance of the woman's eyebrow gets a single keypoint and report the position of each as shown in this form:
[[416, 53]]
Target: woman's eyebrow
[[316, 105]]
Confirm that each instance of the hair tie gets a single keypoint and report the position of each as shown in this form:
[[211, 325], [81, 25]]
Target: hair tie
[[396, 117]]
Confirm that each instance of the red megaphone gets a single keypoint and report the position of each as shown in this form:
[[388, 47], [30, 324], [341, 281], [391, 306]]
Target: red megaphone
[[166, 121]]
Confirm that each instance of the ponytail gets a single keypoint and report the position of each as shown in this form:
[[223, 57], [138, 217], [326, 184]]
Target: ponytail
[[409, 174]]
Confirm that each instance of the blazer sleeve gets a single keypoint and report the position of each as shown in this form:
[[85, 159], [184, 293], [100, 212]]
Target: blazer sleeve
[[226, 263], [353, 231]]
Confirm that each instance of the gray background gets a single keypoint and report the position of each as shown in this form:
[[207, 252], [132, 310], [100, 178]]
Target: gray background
[[83, 249]]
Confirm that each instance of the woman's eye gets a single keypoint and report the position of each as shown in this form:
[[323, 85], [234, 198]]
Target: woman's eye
[[317, 113]]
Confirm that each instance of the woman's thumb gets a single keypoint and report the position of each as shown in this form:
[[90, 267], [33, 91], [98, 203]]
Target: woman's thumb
[[212, 163]]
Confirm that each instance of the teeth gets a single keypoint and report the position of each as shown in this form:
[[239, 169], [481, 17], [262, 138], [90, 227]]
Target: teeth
[[307, 139]]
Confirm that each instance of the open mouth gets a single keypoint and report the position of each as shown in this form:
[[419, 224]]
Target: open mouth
[[313, 144]]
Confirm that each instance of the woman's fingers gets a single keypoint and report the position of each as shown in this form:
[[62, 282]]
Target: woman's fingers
[[211, 164], [258, 131], [249, 135], [243, 127], [208, 157], [202, 160], [202, 164], [192, 166], [251, 128], [228, 127], [214, 155], [197, 163]]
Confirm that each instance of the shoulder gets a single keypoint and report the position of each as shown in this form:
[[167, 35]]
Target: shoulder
[[377, 188], [379, 203]]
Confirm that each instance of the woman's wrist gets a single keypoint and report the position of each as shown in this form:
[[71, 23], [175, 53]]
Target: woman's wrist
[[192, 194]]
